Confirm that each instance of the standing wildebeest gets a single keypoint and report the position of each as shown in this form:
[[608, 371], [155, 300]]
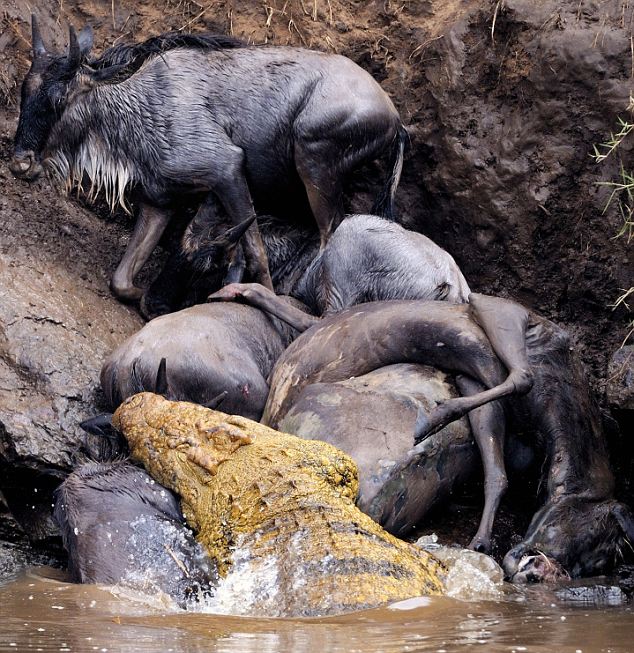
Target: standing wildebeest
[[208, 115], [581, 526], [119, 526]]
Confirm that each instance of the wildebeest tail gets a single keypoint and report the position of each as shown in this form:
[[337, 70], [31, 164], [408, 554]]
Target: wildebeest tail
[[384, 203]]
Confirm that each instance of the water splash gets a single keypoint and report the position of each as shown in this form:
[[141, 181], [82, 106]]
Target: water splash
[[472, 576]]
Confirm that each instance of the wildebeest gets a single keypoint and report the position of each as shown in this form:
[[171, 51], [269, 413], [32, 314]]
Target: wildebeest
[[368, 258], [209, 349], [371, 417], [119, 526], [581, 526], [207, 115]]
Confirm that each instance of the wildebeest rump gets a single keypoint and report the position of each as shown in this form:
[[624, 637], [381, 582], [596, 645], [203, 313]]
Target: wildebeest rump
[[209, 349], [119, 526], [581, 525], [243, 124]]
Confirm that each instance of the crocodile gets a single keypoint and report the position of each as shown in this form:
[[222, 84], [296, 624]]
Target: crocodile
[[276, 507]]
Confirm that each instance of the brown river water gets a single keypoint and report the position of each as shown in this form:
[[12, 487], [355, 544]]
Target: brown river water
[[41, 612]]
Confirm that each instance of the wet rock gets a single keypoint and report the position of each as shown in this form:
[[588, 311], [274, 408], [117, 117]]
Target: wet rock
[[17, 553], [592, 595], [620, 380], [58, 321], [472, 576]]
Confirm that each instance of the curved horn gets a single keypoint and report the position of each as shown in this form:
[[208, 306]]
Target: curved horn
[[135, 378], [232, 236], [74, 53], [161, 385], [36, 39]]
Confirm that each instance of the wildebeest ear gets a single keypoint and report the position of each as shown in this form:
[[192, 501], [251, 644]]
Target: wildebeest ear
[[623, 516], [99, 425], [85, 40], [36, 39]]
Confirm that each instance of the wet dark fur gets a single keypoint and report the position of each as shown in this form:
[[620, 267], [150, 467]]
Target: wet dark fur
[[124, 59], [116, 522]]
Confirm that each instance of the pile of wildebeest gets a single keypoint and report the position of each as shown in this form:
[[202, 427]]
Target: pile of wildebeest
[[359, 332]]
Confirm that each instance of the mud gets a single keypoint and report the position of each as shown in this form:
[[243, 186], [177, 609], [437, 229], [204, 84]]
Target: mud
[[503, 101]]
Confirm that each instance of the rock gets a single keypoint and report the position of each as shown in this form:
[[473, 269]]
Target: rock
[[620, 379], [595, 594], [58, 321], [16, 553], [472, 576]]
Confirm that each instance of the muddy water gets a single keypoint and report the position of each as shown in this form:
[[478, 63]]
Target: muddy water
[[40, 612]]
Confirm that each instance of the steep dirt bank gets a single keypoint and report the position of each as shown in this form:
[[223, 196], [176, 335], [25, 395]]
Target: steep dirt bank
[[503, 101], [502, 115]]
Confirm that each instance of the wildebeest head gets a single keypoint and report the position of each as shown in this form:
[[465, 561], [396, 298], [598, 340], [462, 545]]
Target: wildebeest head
[[45, 91], [574, 537]]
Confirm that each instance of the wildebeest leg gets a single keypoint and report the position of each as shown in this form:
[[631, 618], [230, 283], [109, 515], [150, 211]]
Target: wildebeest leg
[[256, 295], [236, 267], [235, 197], [149, 228], [504, 323], [488, 428], [324, 188]]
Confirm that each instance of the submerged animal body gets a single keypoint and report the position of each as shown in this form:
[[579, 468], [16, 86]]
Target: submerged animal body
[[238, 123], [275, 507], [120, 527]]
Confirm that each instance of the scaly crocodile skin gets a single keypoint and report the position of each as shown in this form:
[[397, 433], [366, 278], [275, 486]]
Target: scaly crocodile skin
[[267, 497]]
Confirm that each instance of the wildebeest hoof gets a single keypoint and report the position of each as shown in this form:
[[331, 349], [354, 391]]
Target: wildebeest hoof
[[126, 293], [480, 544], [228, 293]]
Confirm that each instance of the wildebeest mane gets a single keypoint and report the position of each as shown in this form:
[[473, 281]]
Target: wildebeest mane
[[124, 59]]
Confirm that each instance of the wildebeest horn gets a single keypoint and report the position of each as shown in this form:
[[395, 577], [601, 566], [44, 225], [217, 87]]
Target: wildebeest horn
[[232, 236], [217, 400], [74, 53], [135, 378], [162, 386], [98, 425], [37, 42]]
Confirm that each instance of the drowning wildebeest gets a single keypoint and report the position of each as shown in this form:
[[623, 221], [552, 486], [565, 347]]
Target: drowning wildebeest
[[209, 349], [119, 526], [371, 418], [581, 526], [367, 258], [209, 115]]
